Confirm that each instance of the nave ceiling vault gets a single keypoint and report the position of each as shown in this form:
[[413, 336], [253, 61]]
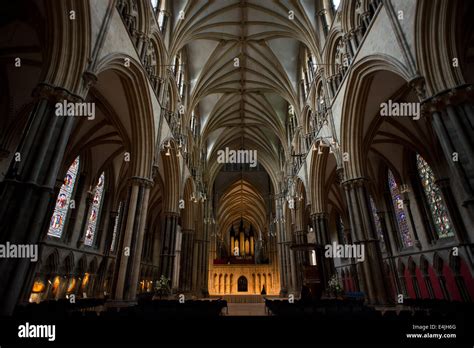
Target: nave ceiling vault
[[245, 105]]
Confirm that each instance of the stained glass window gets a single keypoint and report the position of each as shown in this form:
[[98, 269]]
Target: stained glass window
[[439, 213], [94, 211], [400, 214], [378, 224], [61, 209], [340, 230]]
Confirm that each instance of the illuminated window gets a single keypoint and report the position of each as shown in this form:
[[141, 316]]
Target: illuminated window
[[61, 209], [439, 212], [400, 215], [340, 230], [94, 211]]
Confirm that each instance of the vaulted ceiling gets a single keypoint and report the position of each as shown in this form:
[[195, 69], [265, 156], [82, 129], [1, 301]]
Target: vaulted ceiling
[[242, 65]]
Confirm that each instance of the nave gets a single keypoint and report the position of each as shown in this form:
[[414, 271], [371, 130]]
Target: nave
[[217, 150]]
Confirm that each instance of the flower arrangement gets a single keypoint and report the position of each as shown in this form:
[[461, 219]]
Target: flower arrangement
[[163, 286], [335, 286]]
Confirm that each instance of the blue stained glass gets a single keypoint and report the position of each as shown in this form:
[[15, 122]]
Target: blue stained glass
[[61, 209], [400, 215], [439, 212], [94, 211]]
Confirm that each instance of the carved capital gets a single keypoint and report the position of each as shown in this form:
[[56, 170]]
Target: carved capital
[[453, 96], [354, 183], [319, 216], [145, 182], [418, 84], [54, 93]]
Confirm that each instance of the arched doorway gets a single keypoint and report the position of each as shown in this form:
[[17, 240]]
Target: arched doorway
[[242, 284]]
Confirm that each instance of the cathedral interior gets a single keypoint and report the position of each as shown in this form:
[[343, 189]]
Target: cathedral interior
[[197, 158]]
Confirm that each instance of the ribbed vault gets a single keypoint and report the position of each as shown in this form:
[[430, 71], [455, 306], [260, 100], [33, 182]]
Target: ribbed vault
[[242, 67], [241, 200]]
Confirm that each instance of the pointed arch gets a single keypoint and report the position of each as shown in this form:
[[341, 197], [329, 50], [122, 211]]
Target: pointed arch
[[140, 112], [353, 108]]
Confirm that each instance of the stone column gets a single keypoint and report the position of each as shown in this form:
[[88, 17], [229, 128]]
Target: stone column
[[325, 265], [353, 41], [452, 113], [142, 46], [168, 244], [281, 249], [195, 267], [350, 51], [300, 239], [187, 248], [177, 260], [389, 250], [370, 271], [205, 263], [366, 18], [102, 273], [293, 277], [329, 12], [130, 252], [29, 186], [141, 217], [203, 210]]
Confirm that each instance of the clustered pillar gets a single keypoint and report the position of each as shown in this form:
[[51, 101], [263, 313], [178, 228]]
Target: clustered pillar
[[325, 265], [451, 114], [131, 245], [370, 271], [29, 186], [168, 244], [283, 250], [187, 248]]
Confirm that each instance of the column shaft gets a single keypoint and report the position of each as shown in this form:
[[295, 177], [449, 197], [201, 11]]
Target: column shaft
[[29, 186], [168, 244], [370, 270]]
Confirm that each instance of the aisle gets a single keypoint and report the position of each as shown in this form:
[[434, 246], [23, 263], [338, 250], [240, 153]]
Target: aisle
[[246, 309]]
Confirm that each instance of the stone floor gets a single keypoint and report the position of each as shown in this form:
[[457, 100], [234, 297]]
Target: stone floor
[[246, 309]]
